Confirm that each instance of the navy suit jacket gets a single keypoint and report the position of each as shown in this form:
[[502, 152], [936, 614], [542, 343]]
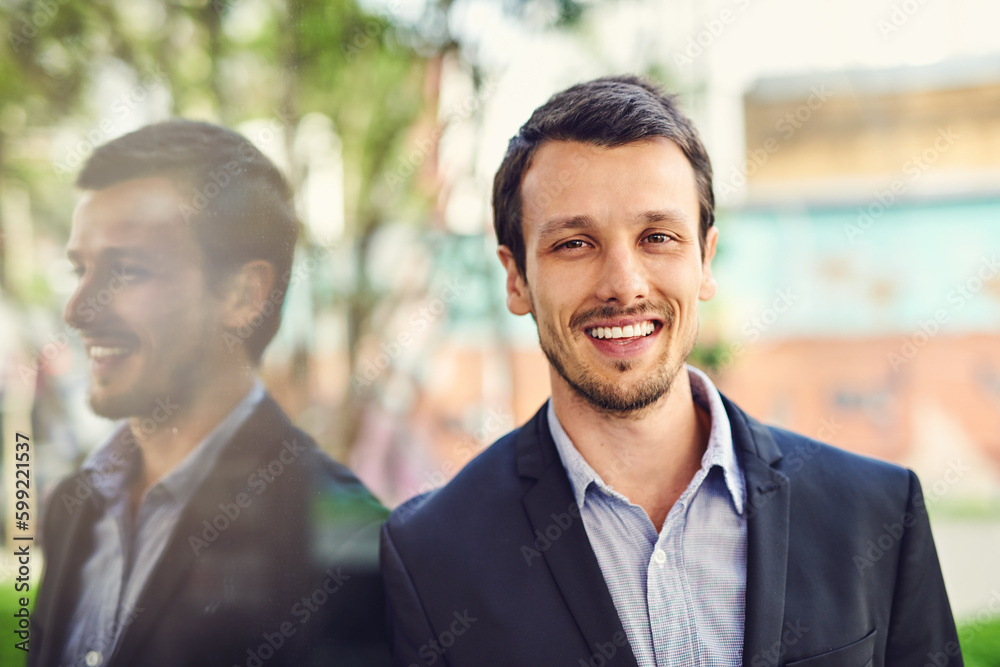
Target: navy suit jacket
[[285, 575], [495, 569]]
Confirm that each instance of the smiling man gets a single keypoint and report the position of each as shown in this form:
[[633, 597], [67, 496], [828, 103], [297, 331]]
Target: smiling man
[[208, 530], [640, 517]]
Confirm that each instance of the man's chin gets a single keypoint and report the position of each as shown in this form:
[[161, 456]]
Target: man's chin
[[620, 403], [114, 406], [623, 388], [619, 397]]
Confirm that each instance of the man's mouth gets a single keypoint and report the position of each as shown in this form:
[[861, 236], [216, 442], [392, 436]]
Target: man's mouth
[[107, 356], [634, 330], [105, 352]]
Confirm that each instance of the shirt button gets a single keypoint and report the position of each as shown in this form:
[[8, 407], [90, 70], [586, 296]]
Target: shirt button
[[659, 556], [93, 659]]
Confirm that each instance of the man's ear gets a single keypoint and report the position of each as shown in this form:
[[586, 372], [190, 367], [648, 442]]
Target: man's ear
[[707, 289], [518, 299], [247, 291]]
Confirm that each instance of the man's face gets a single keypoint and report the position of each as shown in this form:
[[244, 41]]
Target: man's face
[[614, 268], [146, 317]]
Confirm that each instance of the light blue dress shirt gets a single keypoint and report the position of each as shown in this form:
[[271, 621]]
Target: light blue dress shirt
[[680, 594], [126, 548]]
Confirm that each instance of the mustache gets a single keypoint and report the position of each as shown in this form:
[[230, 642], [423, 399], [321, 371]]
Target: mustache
[[104, 332], [663, 311]]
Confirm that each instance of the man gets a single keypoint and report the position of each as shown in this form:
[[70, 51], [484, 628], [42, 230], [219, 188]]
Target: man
[[208, 530], [640, 517]]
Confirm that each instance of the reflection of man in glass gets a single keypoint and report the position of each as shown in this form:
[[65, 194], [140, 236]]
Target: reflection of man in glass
[[208, 530]]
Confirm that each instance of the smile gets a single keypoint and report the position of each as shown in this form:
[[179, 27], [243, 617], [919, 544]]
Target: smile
[[107, 358], [637, 330], [101, 352]]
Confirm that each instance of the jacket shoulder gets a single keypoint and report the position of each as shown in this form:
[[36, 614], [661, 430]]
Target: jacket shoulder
[[334, 481], [269, 442], [487, 483], [823, 471], [795, 446]]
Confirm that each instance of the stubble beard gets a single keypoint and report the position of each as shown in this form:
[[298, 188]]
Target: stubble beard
[[616, 399], [139, 400]]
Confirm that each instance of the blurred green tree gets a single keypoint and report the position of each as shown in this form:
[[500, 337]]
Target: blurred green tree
[[373, 71]]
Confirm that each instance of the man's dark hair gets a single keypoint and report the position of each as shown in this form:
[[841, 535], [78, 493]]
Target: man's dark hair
[[240, 205], [610, 111]]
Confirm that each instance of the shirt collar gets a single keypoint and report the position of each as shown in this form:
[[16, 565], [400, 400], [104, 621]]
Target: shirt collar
[[720, 451], [113, 466]]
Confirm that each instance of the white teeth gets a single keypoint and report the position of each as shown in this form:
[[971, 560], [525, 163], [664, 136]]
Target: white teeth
[[630, 331], [97, 352]]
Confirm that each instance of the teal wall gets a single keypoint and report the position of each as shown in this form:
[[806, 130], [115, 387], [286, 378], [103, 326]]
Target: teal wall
[[851, 274]]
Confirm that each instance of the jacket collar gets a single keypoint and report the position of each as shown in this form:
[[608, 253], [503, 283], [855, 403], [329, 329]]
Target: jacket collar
[[574, 565], [767, 512], [571, 560], [62, 587], [260, 438]]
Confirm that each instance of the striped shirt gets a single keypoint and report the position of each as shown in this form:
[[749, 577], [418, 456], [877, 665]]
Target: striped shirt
[[680, 593]]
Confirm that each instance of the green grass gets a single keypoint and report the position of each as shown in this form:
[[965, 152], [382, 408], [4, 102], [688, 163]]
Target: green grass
[[10, 656], [968, 509], [980, 642]]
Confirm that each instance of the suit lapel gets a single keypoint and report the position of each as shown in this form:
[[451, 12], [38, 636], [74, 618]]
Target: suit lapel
[[569, 557], [67, 564], [767, 508], [578, 574], [256, 440]]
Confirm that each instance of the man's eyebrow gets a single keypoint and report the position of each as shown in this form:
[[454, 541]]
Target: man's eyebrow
[[585, 222], [116, 252], [571, 223], [669, 215]]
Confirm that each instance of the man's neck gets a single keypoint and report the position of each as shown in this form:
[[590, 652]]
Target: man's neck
[[193, 419], [650, 459]]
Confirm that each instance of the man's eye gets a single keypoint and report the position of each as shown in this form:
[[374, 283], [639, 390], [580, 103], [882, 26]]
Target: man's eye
[[130, 272], [657, 238], [575, 243]]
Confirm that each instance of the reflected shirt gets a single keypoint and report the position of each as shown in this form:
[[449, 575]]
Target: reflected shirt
[[680, 593], [127, 548]]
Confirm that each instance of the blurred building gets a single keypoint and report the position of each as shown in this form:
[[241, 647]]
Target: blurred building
[[859, 282]]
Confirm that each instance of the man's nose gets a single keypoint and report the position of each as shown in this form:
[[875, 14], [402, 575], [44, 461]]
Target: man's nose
[[82, 308], [622, 277]]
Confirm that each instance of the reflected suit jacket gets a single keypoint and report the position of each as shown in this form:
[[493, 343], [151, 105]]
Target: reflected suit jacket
[[291, 580], [841, 566]]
